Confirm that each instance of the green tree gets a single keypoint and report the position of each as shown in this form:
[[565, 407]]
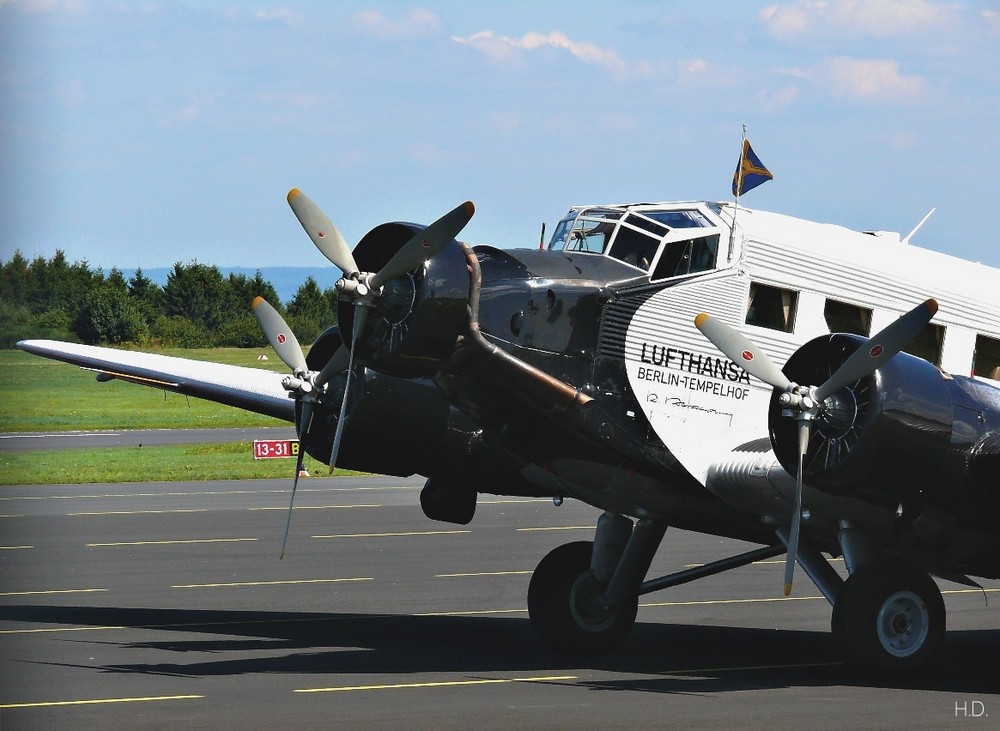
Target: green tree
[[146, 295], [199, 294], [309, 312], [109, 316]]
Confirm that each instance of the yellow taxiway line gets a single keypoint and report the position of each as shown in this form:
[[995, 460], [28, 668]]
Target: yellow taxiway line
[[270, 583], [50, 591], [140, 512], [284, 508], [398, 535], [482, 573], [439, 684], [171, 543], [98, 701]]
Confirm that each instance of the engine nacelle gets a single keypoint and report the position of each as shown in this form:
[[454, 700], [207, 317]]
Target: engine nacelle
[[903, 437], [393, 426], [419, 316]]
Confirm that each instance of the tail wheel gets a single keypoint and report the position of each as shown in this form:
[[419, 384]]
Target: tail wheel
[[889, 617], [566, 608]]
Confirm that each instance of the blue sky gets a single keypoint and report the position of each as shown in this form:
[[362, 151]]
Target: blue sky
[[146, 133]]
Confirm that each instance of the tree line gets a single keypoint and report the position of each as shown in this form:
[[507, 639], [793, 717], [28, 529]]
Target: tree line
[[197, 307]]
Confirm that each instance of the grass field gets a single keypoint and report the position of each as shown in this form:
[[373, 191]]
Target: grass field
[[231, 461], [38, 395]]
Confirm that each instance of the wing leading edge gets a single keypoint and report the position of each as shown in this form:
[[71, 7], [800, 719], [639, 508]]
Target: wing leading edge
[[253, 389]]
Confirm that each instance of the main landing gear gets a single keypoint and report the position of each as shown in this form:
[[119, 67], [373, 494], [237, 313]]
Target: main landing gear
[[583, 598]]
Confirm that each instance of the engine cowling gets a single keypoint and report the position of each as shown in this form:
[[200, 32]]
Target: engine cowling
[[902, 437], [419, 315], [393, 426]]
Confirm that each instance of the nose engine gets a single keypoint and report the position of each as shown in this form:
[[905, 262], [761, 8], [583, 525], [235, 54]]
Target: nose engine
[[419, 315]]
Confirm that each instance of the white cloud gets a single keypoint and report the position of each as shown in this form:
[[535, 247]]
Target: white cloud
[[418, 22], [992, 20], [509, 50], [855, 18], [770, 101], [52, 6], [282, 15], [872, 80]]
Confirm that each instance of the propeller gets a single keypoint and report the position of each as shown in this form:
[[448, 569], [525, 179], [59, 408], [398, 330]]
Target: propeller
[[807, 403], [300, 383], [364, 288], [323, 233]]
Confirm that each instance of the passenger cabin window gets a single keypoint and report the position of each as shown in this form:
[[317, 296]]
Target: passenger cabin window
[[844, 318], [986, 359], [772, 307], [927, 344]]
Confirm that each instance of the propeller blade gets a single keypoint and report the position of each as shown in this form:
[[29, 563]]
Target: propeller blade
[[323, 233], [360, 315], [425, 244], [793, 537], [280, 336], [879, 349], [337, 363], [307, 414], [741, 351]]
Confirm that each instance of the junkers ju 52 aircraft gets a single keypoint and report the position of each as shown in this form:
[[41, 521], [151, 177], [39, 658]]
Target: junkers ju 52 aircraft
[[589, 370]]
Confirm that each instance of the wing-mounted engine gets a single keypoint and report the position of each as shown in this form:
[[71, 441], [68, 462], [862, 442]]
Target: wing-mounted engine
[[884, 438], [420, 313], [908, 437]]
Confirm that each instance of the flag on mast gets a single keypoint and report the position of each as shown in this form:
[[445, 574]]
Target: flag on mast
[[750, 171]]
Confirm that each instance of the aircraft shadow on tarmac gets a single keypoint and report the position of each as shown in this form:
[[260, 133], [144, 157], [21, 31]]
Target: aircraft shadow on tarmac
[[675, 658]]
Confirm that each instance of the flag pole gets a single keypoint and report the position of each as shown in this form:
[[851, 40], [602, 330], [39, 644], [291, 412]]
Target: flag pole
[[739, 189]]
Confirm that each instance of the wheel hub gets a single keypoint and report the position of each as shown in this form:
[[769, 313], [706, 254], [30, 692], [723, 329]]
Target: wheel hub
[[587, 604], [903, 624]]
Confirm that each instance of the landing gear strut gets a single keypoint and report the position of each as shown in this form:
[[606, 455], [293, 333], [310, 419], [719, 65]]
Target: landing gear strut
[[888, 615]]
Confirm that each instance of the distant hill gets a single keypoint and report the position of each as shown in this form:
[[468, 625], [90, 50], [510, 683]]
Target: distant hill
[[286, 280]]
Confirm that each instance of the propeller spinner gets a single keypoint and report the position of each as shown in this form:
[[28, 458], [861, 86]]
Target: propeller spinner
[[808, 403]]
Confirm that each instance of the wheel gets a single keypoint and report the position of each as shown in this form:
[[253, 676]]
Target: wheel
[[889, 617], [566, 608]]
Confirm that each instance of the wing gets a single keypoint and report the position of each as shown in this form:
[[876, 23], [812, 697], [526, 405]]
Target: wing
[[253, 389]]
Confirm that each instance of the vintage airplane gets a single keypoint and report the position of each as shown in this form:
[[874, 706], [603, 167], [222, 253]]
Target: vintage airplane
[[579, 371]]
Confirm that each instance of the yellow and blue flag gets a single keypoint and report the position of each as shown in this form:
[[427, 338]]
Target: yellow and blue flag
[[750, 172]]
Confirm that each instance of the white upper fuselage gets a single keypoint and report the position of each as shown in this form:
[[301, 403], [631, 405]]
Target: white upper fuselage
[[781, 281]]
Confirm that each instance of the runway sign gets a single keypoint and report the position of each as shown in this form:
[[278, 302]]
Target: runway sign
[[275, 448]]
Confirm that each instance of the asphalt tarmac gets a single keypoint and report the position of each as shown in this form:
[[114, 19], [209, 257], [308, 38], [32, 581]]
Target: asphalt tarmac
[[164, 605]]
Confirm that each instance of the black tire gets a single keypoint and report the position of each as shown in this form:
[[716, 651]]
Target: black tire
[[564, 607], [889, 617]]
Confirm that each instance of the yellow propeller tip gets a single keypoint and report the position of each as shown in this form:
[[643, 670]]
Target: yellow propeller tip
[[788, 589], [932, 306], [470, 208], [293, 193], [699, 319], [256, 302]]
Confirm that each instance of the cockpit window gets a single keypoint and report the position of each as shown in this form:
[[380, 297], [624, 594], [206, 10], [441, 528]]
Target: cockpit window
[[679, 219], [687, 257], [635, 247], [642, 238], [591, 231]]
